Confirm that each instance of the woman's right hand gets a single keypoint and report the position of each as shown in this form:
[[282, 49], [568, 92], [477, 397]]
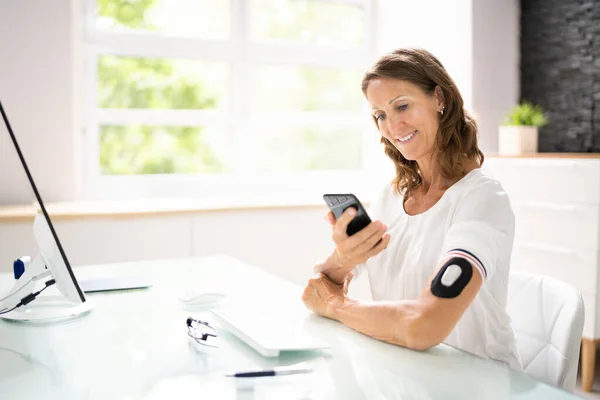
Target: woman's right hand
[[358, 248]]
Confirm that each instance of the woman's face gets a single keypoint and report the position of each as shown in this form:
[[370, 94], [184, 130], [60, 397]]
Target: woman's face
[[406, 115]]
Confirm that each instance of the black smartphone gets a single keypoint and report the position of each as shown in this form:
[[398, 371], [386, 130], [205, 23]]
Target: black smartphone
[[338, 203]]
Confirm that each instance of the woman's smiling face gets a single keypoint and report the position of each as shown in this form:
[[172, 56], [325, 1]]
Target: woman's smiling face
[[406, 115]]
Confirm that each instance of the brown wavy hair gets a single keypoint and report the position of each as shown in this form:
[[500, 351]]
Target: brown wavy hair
[[456, 139]]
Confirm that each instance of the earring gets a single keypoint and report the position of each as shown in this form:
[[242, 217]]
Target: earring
[[442, 111]]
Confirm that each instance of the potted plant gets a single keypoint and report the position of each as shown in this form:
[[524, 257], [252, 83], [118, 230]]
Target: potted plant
[[519, 132]]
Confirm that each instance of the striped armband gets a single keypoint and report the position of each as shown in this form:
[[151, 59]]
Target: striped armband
[[469, 257]]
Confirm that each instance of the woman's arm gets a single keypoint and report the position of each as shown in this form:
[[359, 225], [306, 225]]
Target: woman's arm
[[334, 268], [481, 233], [417, 324]]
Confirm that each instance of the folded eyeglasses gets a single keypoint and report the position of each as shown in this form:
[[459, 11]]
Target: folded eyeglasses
[[201, 332]]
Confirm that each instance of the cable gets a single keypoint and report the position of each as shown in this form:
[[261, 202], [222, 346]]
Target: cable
[[6, 312], [30, 297], [13, 292], [42, 275]]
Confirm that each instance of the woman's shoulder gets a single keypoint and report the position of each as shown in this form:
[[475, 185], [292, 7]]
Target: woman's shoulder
[[479, 191], [479, 183]]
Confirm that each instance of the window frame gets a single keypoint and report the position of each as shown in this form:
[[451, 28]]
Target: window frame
[[241, 53]]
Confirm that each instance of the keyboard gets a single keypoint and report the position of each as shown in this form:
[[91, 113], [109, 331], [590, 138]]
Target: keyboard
[[269, 332]]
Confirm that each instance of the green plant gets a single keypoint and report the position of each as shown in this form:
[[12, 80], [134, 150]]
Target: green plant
[[526, 114]]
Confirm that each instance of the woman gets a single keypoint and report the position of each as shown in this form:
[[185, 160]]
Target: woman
[[438, 256]]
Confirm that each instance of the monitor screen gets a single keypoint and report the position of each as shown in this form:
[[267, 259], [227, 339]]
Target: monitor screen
[[52, 251]]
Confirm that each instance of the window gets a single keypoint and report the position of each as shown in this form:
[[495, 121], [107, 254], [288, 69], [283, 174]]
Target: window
[[218, 97]]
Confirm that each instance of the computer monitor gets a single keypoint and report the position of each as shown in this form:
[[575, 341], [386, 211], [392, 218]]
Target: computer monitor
[[52, 257]]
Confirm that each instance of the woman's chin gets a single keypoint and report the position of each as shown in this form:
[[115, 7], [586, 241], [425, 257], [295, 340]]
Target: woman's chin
[[414, 153], [408, 154]]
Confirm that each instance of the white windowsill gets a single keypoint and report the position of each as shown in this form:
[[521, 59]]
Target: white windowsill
[[153, 207]]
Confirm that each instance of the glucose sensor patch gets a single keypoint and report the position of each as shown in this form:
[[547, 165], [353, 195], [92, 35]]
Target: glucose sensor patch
[[452, 278]]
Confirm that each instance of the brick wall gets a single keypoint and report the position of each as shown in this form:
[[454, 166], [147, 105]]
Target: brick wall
[[560, 70]]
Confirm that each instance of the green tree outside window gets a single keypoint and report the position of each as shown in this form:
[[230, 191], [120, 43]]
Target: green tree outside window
[[142, 83]]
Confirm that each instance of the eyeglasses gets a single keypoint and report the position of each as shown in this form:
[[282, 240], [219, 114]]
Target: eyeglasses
[[201, 332]]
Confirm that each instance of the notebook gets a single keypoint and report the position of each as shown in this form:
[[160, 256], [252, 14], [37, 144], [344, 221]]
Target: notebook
[[269, 332]]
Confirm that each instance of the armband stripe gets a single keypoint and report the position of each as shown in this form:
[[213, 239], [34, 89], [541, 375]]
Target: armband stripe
[[470, 257]]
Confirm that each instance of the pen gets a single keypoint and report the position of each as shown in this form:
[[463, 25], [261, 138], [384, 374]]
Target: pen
[[291, 370]]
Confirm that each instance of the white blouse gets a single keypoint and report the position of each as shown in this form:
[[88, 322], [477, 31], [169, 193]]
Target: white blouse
[[473, 217]]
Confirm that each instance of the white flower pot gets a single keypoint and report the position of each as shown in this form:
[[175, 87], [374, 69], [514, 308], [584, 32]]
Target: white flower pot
[[513, 140]]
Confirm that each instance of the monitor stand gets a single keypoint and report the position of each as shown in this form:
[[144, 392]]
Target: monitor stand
[[44, 308], [48, 309]]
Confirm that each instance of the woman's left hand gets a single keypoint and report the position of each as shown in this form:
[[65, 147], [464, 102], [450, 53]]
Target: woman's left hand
[[322, 295]]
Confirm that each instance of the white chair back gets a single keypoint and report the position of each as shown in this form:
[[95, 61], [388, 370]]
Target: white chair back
[[547, 317]]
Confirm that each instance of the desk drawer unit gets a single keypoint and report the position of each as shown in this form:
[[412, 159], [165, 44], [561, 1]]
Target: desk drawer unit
[[565, 225], [556, 202], [576, 267], [555, 180]]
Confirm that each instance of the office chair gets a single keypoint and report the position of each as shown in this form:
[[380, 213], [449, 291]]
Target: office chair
[[547, 317]]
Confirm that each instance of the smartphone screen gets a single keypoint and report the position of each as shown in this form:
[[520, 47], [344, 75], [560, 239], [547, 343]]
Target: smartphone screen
[[338, 203]]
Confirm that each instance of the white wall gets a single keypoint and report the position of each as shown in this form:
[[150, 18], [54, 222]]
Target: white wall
[[39, 88], [287, 242], [495, 61]]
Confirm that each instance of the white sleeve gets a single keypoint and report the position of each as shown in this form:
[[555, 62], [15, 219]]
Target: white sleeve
[[359, 269], [482, 228]]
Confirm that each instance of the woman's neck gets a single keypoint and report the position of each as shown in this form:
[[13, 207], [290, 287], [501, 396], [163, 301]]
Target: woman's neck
[[431, 174]]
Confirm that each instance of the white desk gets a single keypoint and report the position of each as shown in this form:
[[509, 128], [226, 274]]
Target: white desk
[[134, 345]]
